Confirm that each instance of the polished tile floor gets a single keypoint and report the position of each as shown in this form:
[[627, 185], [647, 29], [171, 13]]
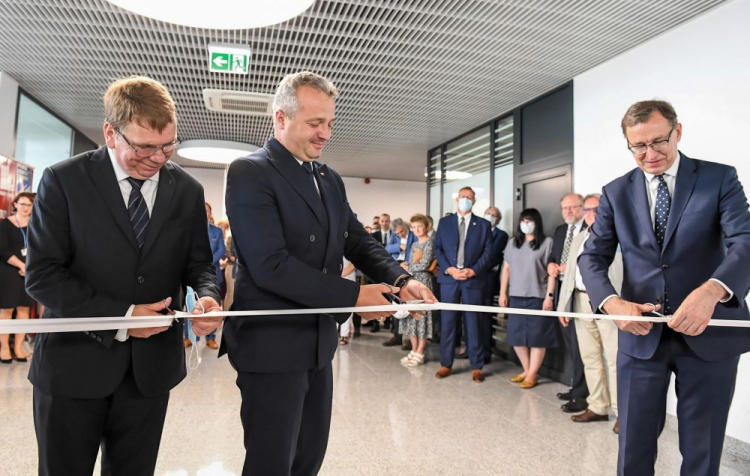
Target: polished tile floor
[[387, 420]]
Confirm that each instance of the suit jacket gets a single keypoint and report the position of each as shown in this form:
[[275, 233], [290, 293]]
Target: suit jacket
[[477, 249], [499, 242], [218, 249], [290, 246], [708, 236], [558, 241], [84, 261], [568, 286], [378, 236], [394, 245]]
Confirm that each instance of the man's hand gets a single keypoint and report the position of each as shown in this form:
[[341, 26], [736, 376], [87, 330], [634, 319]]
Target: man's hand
[[696, 310], [413, 290], [564, 321], [149, 310], [620, 307], [372, 295], [22, 270], [467, 273], [405, 265], [202, 326], [553, 269], [456, 273]]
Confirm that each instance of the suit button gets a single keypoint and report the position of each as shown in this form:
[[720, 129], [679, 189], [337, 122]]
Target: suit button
[[325, 271], [141, 280], [98, 338], [664, 266], [346, 234], [658, 299], [312, 238], [86, 332]]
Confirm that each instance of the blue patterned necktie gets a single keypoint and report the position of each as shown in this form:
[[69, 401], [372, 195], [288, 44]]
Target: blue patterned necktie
[[663, 204], [137, 210]]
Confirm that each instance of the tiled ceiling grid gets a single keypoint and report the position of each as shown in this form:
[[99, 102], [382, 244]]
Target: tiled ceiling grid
[[412, 73]]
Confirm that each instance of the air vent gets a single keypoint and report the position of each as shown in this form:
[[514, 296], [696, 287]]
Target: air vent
[[238, 102]]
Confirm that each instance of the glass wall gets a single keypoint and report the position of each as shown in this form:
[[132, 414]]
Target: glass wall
[[434, 182], [467, 164], [41, 138], [504, 194]]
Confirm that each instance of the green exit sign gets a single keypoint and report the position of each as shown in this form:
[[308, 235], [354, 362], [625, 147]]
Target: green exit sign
[[232, 59]]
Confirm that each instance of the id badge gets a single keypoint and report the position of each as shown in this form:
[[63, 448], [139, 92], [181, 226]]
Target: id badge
[[23, 252]]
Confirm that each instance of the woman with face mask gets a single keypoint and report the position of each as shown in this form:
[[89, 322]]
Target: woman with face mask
[[524, 284], [13, 244]]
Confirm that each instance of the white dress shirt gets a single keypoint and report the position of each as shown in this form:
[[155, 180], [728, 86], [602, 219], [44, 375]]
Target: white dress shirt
[[148, 190]]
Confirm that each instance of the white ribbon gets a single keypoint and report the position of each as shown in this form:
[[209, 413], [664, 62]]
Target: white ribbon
[[80, 324]]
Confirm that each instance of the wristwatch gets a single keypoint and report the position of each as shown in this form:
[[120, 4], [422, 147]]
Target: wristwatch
[[401, 280], [552, 295]]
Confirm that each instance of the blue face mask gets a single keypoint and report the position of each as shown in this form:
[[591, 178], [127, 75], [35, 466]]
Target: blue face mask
[[464, 204], [191, 302]]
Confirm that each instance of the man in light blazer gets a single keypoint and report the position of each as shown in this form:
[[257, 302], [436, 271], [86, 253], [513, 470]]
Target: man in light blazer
[[597, 338], [683, 226]]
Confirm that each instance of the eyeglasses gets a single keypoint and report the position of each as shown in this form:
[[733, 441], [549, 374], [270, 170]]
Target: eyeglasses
[[656, 146], [24, 204], [570, 208], [591, 209], [146, 152]]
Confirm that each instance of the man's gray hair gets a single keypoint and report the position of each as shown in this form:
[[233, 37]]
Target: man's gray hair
[[397, 222], [593, 195], [577, 195], [285, 99]]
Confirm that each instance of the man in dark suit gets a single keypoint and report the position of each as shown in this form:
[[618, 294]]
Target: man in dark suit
[[463, 248], [492, 279], [571, 206], [116, 231], [684, 230], [292, 225], [383, 236]]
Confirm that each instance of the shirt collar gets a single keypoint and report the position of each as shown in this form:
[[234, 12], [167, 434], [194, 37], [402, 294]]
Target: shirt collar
[[671, 172], [121, 174], [467, 216]]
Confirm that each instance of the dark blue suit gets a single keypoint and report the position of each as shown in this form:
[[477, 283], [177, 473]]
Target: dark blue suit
[[290, 244], [478, 257], [707, 236], [492, 280]]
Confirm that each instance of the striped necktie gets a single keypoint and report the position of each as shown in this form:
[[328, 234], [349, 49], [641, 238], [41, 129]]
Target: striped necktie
[[137, 210]]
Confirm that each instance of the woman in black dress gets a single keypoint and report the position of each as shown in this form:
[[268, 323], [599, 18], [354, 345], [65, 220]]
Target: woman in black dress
[[13, 244]]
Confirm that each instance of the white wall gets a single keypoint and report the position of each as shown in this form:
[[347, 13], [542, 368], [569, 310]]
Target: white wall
[[399, 199], [703, 69], [8, 105], [214, 183]]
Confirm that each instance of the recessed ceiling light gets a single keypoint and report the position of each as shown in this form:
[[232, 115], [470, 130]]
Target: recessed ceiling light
[[218, 14], [214, 151]]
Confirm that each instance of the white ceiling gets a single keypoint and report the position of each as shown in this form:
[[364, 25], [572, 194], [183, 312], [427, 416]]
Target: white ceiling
[[412, 74]]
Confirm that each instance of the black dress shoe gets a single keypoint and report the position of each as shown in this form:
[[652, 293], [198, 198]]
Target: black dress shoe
[[375, 327], [357, 332], [6, 361], [567, 396], [576, 405]]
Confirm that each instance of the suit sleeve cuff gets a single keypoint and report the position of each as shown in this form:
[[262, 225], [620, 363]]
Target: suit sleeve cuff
[[601, 306], [730, 294], [122, 334]]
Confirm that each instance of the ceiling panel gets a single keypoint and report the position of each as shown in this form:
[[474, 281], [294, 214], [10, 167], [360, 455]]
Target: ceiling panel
[[412, 74]]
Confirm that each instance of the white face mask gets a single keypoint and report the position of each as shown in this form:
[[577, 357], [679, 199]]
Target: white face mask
[[527, 228], [464, 204], [492, 219]]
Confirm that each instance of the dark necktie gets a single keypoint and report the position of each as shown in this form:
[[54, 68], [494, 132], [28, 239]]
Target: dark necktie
[[461, 244], [309, 169], [661, 210], [568, 241], [137, 210], [661, 215]]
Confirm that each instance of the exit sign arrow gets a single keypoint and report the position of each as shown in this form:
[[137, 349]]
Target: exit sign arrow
[[232, 59]]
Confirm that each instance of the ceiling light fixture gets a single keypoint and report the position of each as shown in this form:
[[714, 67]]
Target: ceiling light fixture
[[214, 151], [218, 14]]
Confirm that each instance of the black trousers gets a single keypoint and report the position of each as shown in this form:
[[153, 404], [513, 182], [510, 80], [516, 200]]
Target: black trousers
[[286, 419], [126, 424], [578, 387]]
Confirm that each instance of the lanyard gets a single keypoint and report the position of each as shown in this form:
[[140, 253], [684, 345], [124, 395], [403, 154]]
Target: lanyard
[[25, 238]]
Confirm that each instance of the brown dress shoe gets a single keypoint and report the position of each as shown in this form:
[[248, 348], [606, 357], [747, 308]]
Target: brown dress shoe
[[616, 428], [477, 376], [443, 372], [588, 416], [392, 342], [211, 344], [187, 343]]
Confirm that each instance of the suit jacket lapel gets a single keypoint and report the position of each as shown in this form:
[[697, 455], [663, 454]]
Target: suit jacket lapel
[[642, 209], [296, 176], [684, 185], [331, 198], [164, 195], [103, 176]]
